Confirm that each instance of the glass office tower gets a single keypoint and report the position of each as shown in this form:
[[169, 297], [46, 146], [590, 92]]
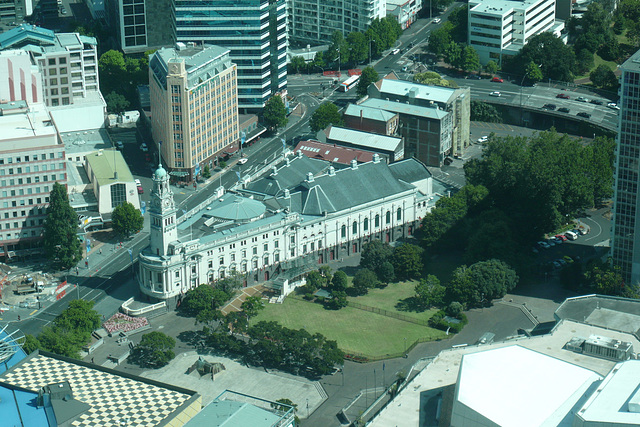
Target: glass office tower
[[255, 31], [625, 242]]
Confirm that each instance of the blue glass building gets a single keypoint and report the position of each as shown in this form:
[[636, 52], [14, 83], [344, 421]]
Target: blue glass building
[[255, 31]]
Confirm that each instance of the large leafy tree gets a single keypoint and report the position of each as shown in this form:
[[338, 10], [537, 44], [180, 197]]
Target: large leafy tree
[[252, 306], [127, 220], [369, 75], [275, 113], [604, 77], [557, 60], [326, 114], [364, 280], [430, 293], [439, 39], [533, 72], [358, 45], [230, 283], [154, 351], [79, 317], [470, 59], [112, 70], [407, 261], [483, 112], [297, 65], [116, 103], [481, 282], [201, 298], [339, 281], [61, 243], [434, 79], [491, 67], [374, 254]]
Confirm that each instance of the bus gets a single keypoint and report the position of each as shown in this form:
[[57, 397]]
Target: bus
[[349, 83]]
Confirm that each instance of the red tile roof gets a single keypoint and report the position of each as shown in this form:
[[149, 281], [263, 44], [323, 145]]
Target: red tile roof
[[332, 153]]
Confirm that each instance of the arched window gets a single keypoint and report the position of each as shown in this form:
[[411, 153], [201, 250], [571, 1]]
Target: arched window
[[377, 220], [399, 214], [388, 217], [366, 224], [343, 231], [354, 228]]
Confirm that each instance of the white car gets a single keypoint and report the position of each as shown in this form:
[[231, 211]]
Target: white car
[[483, 139], [495, 93], [243, 160], [144, 147], [613, 106], [436, 20], [138, 183]]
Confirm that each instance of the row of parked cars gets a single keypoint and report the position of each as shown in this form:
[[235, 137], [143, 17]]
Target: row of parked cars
[[558, 239]]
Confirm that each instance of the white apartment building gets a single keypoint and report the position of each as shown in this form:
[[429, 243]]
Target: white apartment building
[[68, 62], [20, 78], [31, 160], [499, 28], [301, 214], [625, 236], [314, 21]]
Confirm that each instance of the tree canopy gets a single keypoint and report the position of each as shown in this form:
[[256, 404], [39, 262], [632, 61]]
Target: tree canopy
[[557, 60], [275, 113], [481, 282], [154, 351], [364, 280], [326, 114], [369, 75], [61, 243], [407, 261], [127, 220]]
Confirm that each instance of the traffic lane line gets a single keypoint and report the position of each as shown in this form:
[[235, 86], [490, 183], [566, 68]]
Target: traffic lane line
[[599, 229]]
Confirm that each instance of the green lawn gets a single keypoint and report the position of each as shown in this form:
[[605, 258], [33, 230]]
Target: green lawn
[[388, 297], [355, 330]]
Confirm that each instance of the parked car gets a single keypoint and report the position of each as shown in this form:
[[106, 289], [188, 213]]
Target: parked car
[[596, 102], [483, 139], [551, 242], [543, 245], [556, 264], [571, 235], [144, 147], [563, 110], [497, 80], [243, 160], [140, 189], [583, 114], [568, 259], [436, 20], [474, 77], [582, 99], [138, 183], [613, 106], [549, 107], [119, 145], [561, 237], [495, 93], [557, 240], [561, 261], [563, 96]]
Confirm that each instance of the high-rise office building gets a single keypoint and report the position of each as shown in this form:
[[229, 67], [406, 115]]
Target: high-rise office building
[[625, 236], [140, 25], [255, 32], [194, 105], [314, 21]]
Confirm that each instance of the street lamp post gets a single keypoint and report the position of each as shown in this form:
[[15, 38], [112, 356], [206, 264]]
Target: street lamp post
[[370, 40], [338, 62]]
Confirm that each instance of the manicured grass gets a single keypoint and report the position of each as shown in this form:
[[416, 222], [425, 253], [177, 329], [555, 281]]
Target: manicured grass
[[355, 330], [388, 297]]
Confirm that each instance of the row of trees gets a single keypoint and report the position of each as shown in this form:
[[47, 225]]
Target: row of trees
[[273, 346], [70, 331]]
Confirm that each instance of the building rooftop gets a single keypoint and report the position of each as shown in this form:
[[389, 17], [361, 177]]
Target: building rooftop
[[106, 164], [620, 314], [617, 399], [202, 62], [416, 90], [27, 34], [501, 7], [515, 386], [444, 369], [332, 152], [290, 172], [113, 397], [370, 113], [232, 409], [403, 108], [83, 141], [19, 120], [232, 207], [633, 63], [363, 139], [86, 112], [409, 170]]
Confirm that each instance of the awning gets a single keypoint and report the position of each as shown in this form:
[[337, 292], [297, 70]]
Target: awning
[[179, 173], [232, 149]]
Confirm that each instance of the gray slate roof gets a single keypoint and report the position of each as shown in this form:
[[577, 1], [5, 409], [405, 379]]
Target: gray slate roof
[[347, 188], [368, 112], [409, 170], [287, 176], [363, 139], [232, 207]]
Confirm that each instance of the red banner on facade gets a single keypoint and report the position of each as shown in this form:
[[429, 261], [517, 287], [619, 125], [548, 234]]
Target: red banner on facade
[[354, 72], [61, 294], [61, 285]]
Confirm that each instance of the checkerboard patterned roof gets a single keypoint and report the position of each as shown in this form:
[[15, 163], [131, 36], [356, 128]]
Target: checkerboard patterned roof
[[113, 398]]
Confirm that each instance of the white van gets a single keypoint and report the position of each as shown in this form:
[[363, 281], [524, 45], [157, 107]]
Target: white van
[[395, 51], [571, 235]]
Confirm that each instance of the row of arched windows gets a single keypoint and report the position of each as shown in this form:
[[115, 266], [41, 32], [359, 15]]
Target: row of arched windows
[[365, 225]]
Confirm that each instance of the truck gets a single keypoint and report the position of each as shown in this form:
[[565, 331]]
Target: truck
[[28, 286]]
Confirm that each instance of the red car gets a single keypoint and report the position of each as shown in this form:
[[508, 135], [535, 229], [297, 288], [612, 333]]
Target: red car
[[561, 237], [497, 80], [562, 95]]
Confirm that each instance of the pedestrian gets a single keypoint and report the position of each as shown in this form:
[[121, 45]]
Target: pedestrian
[[100, 251], [86, 264], [77, 271], [92, 360]]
